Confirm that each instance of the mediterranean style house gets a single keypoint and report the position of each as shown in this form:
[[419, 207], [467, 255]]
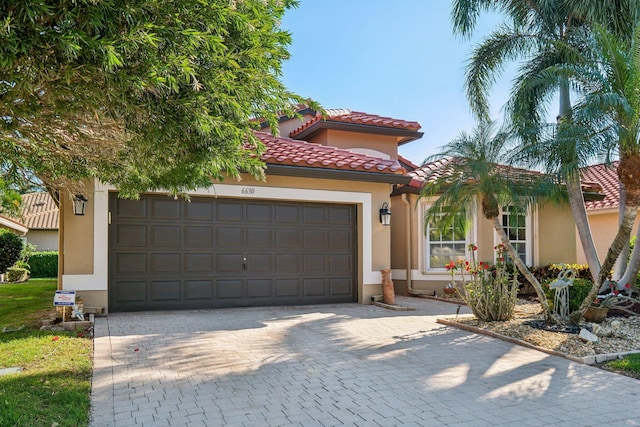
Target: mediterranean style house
[[311, 233], [419, 254]]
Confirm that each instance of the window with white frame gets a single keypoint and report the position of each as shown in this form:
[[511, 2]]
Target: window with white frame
[[445, 244], [515, 224]]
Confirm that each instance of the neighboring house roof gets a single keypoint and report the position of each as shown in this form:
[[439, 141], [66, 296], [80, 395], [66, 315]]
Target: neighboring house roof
[[12, 224], [606, 175], [348, 120], [39, 211], [292, 152]]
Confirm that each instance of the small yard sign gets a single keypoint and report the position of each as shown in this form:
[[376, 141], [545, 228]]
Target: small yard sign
[[64, 298]]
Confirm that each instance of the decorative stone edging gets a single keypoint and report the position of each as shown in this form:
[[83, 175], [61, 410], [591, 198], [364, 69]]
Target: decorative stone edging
[[586, 360]]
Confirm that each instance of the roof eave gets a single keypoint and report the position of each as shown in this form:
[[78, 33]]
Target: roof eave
[[405, 135]]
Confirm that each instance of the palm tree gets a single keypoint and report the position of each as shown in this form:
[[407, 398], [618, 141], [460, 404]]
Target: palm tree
[[470, 174], [538, 32], [605, 71]]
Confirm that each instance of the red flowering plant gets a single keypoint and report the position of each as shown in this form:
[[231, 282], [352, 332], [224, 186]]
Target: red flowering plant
[[489, 292]]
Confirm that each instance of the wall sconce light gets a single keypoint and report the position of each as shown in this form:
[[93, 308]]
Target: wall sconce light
[[385, 214], [79, 203]]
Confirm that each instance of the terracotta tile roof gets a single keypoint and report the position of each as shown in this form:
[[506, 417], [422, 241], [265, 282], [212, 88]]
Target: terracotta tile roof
[[356, 117], [407, 164], [287, 151], [440, 168], [39, 212], [607, 177]]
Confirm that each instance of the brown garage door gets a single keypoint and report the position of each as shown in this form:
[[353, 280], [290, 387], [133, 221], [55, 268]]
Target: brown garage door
[[217, 252]]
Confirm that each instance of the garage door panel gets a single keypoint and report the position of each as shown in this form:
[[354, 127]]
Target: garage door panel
[[315, 239], [195, 290], [259, 238], [164, 236], [229, 289], [165, 290], [314, 287], [165, 209], [229, 263], [313, 214], [259, 263], [340, 286], [131, 235], [130, 291], [259, 288], [217, 252], [130, 263], [132, 209], [165, 263], [287, 263], [198, 237], [259, 213], [287, 287], [340, 240], [341, 264], [287, 213], [229, 237], [199, 210], [287, 238], [314, 263], [198, 263], [230, 211], [340, 215]]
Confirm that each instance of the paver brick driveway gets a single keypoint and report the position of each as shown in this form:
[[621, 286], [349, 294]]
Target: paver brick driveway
[[348, 364]]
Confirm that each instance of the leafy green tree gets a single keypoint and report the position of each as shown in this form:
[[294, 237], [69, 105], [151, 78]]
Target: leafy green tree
[[10, 249], [140, 94], [470, 173]]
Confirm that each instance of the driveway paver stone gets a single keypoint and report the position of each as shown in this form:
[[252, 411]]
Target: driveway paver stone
[[336, 365]]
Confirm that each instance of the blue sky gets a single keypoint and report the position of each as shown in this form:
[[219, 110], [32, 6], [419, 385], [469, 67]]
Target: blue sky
[[392, 58]]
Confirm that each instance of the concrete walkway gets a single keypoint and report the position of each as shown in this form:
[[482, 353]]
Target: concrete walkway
[[335, 365]]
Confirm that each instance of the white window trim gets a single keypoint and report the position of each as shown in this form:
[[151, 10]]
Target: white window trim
[[529, 234], [423, 272]]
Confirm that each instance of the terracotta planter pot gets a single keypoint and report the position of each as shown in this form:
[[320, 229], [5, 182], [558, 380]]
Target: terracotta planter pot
[[596, 314], [388, 292], [449, 291]]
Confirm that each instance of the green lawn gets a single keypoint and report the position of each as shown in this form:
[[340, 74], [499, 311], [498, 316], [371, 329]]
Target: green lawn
[[54, 385]]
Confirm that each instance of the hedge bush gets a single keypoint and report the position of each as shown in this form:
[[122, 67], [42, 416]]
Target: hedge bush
[[44, 264], [10, 249]]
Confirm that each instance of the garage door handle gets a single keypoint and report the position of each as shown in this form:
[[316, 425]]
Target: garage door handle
[[244, 264]]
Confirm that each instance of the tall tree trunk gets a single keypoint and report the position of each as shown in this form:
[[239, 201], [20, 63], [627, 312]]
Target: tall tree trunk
[[497, 225], [623, 259], [582, 224], [619, 243]]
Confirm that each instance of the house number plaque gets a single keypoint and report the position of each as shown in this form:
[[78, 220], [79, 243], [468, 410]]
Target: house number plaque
[[248, 191]]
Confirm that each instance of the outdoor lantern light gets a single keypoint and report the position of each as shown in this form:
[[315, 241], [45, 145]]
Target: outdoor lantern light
[[79, 202], [385, 214]]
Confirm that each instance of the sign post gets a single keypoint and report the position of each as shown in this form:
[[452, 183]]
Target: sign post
[[64, 299]]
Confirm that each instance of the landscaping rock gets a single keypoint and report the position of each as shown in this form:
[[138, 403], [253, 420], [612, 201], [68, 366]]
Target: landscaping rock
[[588, 336]]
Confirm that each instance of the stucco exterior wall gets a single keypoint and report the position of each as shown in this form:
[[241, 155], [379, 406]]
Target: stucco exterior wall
[[44, 240], [77, 251], [86, 243], [604, 227], [359, 142], [556, 235]]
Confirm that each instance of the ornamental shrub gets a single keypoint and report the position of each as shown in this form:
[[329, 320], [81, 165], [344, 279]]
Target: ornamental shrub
[[10, 249], [491, 293], [17, 274], [44, 264], [577, 293]]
